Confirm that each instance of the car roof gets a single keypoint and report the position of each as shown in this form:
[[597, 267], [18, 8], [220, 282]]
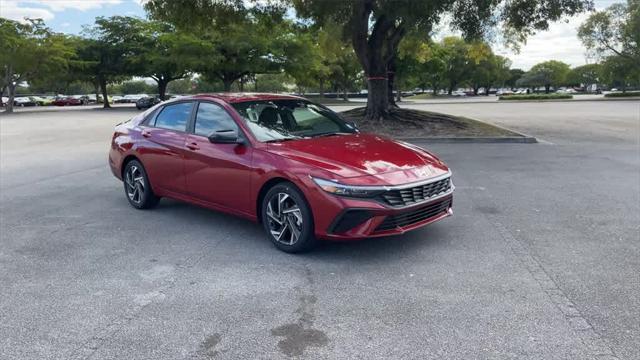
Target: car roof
[[232, 97]]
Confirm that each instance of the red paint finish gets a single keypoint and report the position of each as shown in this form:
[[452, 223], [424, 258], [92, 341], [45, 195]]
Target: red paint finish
[[231, 177]]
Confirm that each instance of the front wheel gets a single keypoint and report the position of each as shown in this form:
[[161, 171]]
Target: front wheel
[[287, 219], [137, 187]]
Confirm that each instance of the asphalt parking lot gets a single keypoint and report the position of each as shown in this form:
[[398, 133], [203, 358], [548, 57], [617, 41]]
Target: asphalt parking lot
[[540, 261]]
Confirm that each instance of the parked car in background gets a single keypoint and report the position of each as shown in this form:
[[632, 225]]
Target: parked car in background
[[67, 101], [147, 102], [24, 101], [132, 98], [117, 99], [294, 166], [41, 101], [504, 92], [5, 100]]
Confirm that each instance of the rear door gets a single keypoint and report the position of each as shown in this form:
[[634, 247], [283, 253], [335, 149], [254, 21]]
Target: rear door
[[163, 151], [217, 173]]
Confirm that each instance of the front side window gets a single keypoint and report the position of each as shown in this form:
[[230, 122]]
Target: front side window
[[211, 118], [276, 120], [174, 117]]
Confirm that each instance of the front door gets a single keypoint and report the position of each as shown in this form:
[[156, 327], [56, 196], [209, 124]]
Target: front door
[[217, 173]]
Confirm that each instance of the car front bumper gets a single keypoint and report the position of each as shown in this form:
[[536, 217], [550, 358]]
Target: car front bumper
[[343, 218]]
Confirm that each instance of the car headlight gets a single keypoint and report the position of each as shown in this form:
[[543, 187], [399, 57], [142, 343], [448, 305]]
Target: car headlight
[[336, 188]]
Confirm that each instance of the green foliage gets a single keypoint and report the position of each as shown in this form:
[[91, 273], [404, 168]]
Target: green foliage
[[614, 31], [536, 97], [619, 71], [549, 73], [29, 50], [232, 40], [181, 86], [584, 75], [513, 77], [136, 87], [623, 94]]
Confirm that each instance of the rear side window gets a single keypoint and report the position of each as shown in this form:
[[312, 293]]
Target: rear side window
[[174, 117], [211, 118]]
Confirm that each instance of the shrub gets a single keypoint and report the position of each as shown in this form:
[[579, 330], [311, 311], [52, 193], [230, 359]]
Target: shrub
[[536, 97], [623, 94]]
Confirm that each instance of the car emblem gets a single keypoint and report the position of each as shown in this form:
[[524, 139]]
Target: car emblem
[[424, 172]]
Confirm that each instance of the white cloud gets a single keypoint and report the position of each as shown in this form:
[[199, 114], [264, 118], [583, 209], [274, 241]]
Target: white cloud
[[82, 5], [13, 10], [45, 9], [560, 42]]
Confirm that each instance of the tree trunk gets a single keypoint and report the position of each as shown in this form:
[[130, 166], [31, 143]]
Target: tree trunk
[[241, 84], [450, 89], [377, 99], [162, 88], [486, 90], [321, 84], [227, 84], [105, 98], [12, 94], [1, 95], [391, 79], [475, 90], [255, 83], [435, 91], [546, 88], [97, 90], [345, 95]]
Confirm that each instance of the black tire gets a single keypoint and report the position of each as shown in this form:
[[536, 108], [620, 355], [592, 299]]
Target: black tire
[[299, 219], [137, 187]]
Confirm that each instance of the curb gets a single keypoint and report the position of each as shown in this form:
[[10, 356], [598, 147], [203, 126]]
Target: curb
[[473, 140]]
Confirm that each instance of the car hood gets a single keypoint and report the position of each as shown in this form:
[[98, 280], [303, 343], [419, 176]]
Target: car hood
[[363, 159]]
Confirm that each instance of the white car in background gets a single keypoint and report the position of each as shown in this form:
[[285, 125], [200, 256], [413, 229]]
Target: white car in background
[[132, 98]]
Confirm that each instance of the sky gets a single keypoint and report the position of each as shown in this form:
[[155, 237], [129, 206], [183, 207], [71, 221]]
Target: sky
[[560, 42]]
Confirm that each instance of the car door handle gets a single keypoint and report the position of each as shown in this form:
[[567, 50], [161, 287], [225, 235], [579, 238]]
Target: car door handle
[[146, 133], [193, 146]]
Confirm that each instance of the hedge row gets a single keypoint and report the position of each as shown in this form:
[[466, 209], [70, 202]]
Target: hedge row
[[623, 94], [536, 97]]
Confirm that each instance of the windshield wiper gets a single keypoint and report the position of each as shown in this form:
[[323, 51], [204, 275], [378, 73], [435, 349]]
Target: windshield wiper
[[281, 140], [328, 134]]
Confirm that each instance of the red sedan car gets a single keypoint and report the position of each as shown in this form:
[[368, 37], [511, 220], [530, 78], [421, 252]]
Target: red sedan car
[[292, 165], [66, 101]]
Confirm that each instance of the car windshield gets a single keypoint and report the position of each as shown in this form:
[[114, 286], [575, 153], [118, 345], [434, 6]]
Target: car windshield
[[279, 120]]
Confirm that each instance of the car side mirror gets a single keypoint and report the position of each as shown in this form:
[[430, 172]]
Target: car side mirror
[[353, 125], [225, 137]]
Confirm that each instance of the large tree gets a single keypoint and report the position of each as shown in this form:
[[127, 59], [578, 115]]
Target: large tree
[[165, 54], [585, 75], [111, 49], [29, 50], [614, 31], [376, 28], [549, 74], [236, 40]]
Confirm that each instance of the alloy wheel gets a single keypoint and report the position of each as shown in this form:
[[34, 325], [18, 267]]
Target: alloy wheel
[[135, 184], [285, 219]]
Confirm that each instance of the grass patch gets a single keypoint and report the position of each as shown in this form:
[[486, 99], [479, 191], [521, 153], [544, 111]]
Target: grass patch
[[622, 94], [536, 97], [421, 96], [409, 123]]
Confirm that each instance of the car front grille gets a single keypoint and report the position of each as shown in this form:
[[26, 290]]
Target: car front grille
[[416, 194], [414, 216]]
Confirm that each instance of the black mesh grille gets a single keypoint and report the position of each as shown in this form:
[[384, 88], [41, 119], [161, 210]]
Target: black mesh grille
[[414, 216], [416, 194]]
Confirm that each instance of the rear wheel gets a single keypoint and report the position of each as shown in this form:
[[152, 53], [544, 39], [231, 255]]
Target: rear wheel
[[137, 187], [287, 219]]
